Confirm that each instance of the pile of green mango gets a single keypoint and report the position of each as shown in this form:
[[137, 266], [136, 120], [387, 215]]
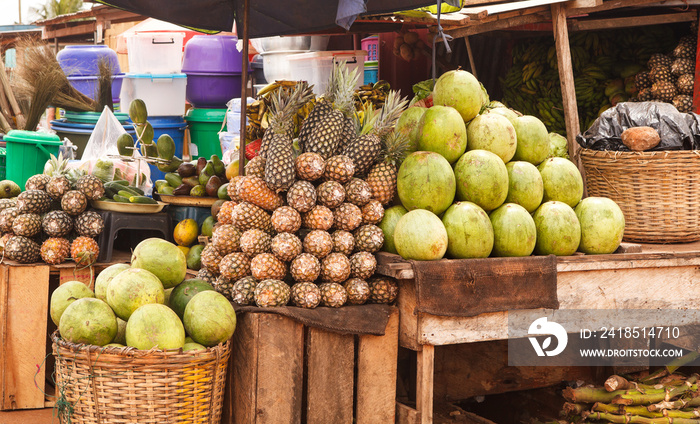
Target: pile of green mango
[[200, 178]]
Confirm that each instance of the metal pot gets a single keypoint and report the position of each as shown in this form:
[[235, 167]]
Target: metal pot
[[302, 42]]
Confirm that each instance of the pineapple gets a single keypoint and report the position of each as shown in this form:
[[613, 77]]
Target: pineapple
[[382, 290], [90, 186], [358, 192], [286, 219], [684, 50], [658, 59], [318, 218], [27, 225], [681, 102], [382, 176], [74, 202], [369, 238], [663, 91], [357, 290], [302, 196], [55, 223], [330, 194], [89, 224], [254, 190], [266, 266], [306, 295], [58, 186], [225, 214], [226, 239], [243, 291], [645, 95], [256, 167], [271, 293], [33, 201], [335, 268], [255, 241], [319, 243], [347, 217], [286, 246], [22, 249], [247, 216], [234, 266], [232, 188], [84, 251], [685, 84], [8, 203], [642, 80], [37, 182], [343, 242], [372, 212], [305, 268], [55, 250], [362, 265], [339, 168], [682, 66], [7, 218], [206, 275], [279, 162], [223, 285], [309, 166], [210, 258], [367, 146], [333, 295], [661, 73], [322, 107]]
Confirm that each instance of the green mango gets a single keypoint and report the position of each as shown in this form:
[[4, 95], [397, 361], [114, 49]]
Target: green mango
[[219, 167], [166, 147], [198, 191], [137, 111], [125, 144], [208, 226], [204, 178], [171, 166], [222, 193], [146, 134], [149, 150]]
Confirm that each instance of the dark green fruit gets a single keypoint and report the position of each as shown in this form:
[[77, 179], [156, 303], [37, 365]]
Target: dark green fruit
[[125, 144], [223, 192], [204, 178], [212, 186], [191, 181], [166, 147], [145, 133], [207, 226], [167, 190], [137, 111], [198, 191], [149, 150], [216, 206], [219, 167], [186, 170], [160, 184], [171, 166]]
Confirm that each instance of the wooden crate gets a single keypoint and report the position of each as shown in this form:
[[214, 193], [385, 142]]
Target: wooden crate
[[284, 372], [25, 290]]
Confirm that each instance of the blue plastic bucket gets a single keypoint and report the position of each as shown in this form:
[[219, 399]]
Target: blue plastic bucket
[[174, 126]]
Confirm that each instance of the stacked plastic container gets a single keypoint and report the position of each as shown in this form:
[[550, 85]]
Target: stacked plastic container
[[371, 46], [81, 64], [155, 77], [213, 66]]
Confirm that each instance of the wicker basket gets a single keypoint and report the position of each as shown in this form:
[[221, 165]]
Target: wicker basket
[[125, 385], [659, 192]]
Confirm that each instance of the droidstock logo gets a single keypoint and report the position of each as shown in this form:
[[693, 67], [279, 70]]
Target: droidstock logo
[[541, 327]]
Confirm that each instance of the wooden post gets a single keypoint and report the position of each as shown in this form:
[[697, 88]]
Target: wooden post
[[696, 87], [472, 65], [566, 76], [424, 383], [244, 91]]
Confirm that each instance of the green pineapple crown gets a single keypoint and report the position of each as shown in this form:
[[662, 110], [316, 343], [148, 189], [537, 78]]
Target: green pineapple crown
[[381, 122], [344, 81], [394, 147], [285, 104]]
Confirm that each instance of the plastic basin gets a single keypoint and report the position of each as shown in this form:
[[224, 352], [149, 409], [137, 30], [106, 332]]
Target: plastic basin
[[88, 85], [212, 54], [83, 60], [27, 153], [212, 90], [204, 125]]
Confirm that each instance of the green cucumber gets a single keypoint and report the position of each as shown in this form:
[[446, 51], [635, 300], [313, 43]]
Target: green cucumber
[[121, 199], [119, 187], [126, 193], [142, 199], [167, 190], [137, 190], [122, 182]]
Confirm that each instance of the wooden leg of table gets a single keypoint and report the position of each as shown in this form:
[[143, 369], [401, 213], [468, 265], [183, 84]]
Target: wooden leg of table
[[424, 383]]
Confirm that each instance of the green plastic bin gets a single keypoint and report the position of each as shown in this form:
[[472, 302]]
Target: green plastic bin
[[3, 156], [204, 126], [27, 153]]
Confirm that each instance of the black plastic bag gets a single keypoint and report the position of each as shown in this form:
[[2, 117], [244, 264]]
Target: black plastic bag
[[678, 131]]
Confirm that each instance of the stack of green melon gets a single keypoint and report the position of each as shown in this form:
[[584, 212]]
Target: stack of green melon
[[145, 305], [481, 182]]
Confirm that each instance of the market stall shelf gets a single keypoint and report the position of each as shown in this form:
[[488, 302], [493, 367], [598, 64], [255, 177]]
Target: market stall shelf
[[287, 372], [127, 207], [614, 281]]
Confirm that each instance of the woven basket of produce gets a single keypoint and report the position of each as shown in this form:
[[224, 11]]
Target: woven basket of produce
[[659, 192], [125, 385]]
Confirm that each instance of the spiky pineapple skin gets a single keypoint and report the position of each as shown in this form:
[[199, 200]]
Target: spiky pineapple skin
[[57, 224], [226, 239], [234, 266], [305, 268], [74, 202], [266, 266], [7, 218], [364, 151], [302, 196], [33, 201], [330, 194], [37, 182], [369, 238], [319, 243], [333, 295], [335, 268], [55, 250], [382, 182], [225, 215], [89, 224], [321, 108], [347, 217], [358, 291], [318, 218], [306, 295], [309, 166], [339, 168], [27, 225], [256, 191], [206, 275], [22, 249], [362, 265], [372, 212], [90, 186], [286, 219], [272, 293], [246, 216], [286, 246], [58, 186], [343, 242], [223, 285], [685, 84], [383, 289], [256, 167], [232, 188], [255, 241], [325, 136], [663, 91], [358, 192], [84, 251], [243, 291], [210, 258]]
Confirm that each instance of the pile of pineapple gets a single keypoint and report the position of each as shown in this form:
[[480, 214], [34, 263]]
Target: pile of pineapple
[[50, 220], [302, 228], [670, 78]]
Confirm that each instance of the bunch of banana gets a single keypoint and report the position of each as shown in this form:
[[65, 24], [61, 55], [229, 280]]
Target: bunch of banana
[[374, 93], [255, 112], [258, 112]]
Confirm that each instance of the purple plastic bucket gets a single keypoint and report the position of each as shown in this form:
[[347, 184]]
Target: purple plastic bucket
[[89, 86], [212, 91], [212, 54], [83, 60]]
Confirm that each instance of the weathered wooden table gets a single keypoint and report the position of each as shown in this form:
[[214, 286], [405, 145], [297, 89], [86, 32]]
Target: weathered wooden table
[[654, 276]]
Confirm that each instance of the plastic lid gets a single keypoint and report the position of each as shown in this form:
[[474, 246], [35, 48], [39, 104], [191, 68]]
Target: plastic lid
[[205, 115], [372, 63], [92, 117], [92, 77], [32, 137], [156, 76]]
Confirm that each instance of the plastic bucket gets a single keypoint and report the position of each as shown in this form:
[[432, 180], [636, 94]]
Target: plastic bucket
[[212, 90], [174, 126], [371, 72], [90, 86], [204, 125], [27, 153], [371, 46], [83, 60], [79, 133]]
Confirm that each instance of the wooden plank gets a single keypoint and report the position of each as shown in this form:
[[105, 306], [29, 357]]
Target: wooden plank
[[376, 375], [25, 348], [424, 383], [59, 31], [438, 330], [583, 3], [498, 25], [632, 21], [330, 368], [488, 10], [608, 5], [406, 414], [566, 76], [409, 318], [84, 275], [629, 248], [622, 262], [4, 313], [696, 87], [239, 398]]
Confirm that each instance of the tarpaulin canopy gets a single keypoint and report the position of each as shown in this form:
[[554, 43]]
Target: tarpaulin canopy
[[265, 17]]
